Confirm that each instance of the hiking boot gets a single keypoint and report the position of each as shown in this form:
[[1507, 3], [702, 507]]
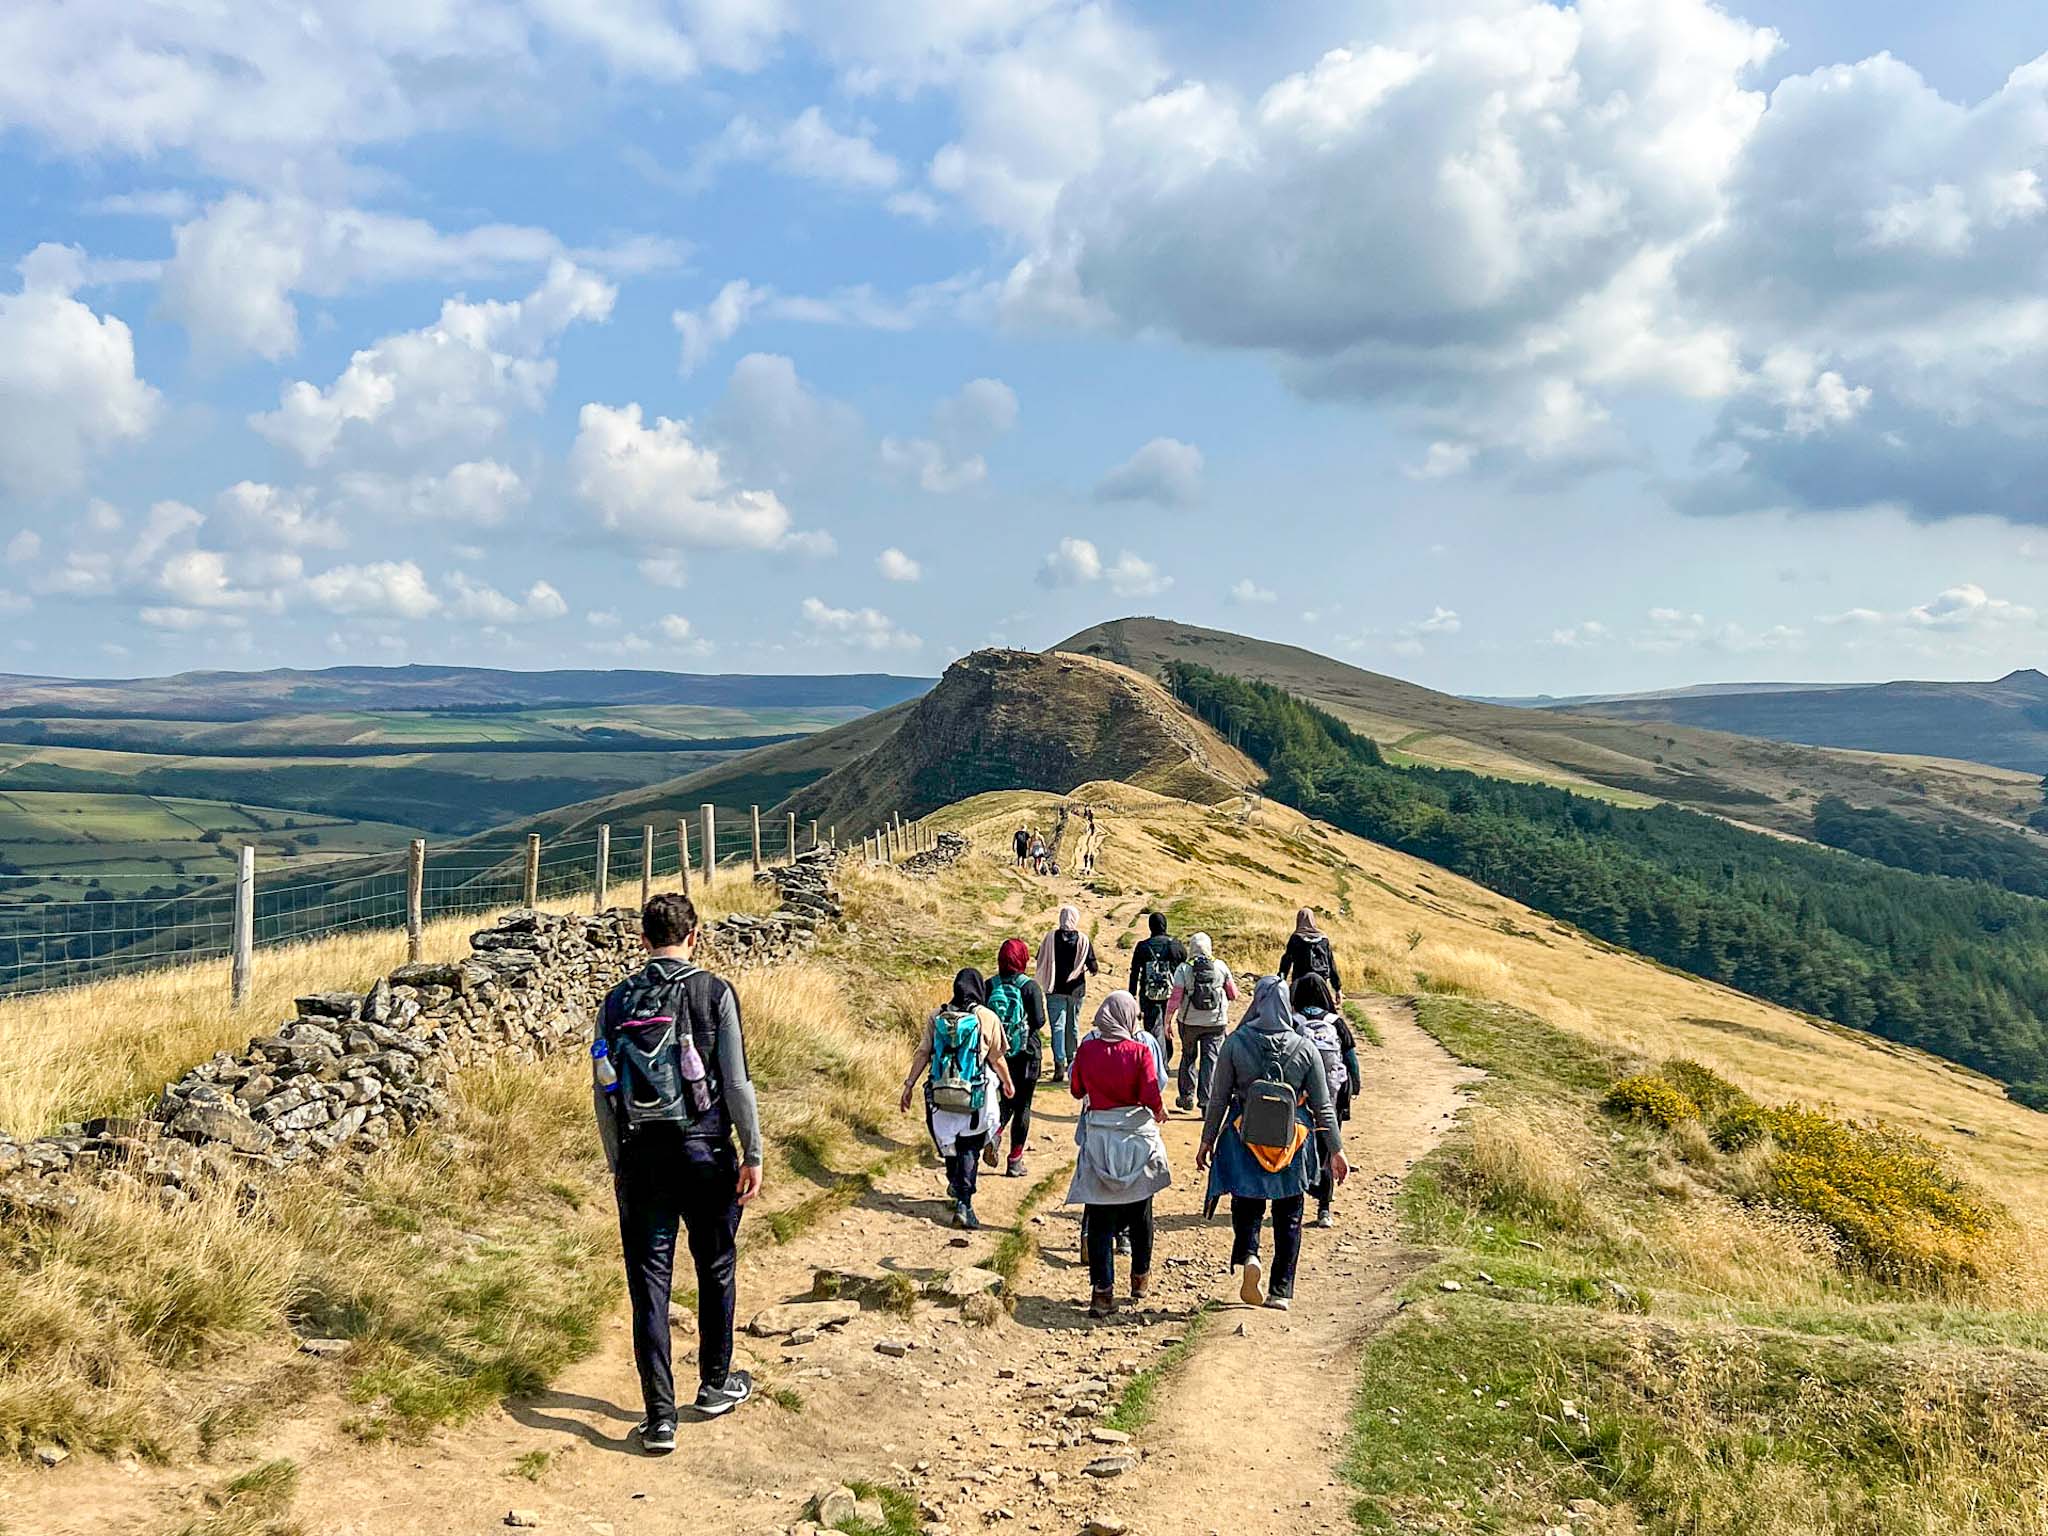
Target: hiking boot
[[968, 1219], [715, 1398], [1251, 1289], [1278, 1303], [657, 1437], [1185, 1106], [1324, 1219], [960, 1213], [1015, 1168], [1101, 1303], [1140, 1284]]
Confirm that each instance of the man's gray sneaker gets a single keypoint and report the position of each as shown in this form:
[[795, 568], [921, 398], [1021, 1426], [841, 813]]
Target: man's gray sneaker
[[715, 1400], [657, 1436]]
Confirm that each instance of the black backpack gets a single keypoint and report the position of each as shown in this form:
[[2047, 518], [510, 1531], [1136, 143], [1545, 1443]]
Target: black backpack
[[1203, 994], [660, 1028], [1320, 961]]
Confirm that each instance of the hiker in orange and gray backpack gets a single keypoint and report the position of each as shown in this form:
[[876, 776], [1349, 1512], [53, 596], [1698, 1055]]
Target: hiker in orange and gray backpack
[[1270, 1132], [1318, 1017], [963, 1050]]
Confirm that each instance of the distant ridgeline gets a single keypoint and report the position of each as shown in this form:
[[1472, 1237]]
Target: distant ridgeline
[[1956, 966]]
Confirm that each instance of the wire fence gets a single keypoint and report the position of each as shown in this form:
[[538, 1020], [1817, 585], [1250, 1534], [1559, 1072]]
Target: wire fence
[[119, 924]]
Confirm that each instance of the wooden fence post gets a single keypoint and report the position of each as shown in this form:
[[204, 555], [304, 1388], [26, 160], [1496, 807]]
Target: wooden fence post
[[415, 893], [646, 865], [710, 845], [683, 850], [789, 841], [604, 863], [533, 869], [245, 923], [757, 839], [814, 832], [832, 835]]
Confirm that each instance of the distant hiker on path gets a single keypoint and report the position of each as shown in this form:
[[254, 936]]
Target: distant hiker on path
[[1023, 1036], [1091, 841], [1022, 843], [1065, 962], [963, 1048], [1038, 855], [1153, 964], [1318, 1017], [1309, 954], [1203, 990], [1270, 1129], [671, 1092], [1122, 1162]]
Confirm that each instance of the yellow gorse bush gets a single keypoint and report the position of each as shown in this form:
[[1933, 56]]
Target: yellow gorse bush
[[1651, 1098]]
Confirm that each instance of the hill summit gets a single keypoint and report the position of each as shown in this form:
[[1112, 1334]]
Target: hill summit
[[1028, 720]]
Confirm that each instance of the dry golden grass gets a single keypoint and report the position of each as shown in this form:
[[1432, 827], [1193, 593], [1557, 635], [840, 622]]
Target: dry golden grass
[[125, 1038], [1242, 868]]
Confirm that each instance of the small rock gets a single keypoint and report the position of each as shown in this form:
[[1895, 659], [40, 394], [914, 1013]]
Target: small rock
[[795, 1316], [1106, 1525], [833, 1507], [895, 1349], [528, 1518], [1106, 1467], [1449, 1285], [52, 1455], [323, 1349], [1109, 1437], [969, 1280], [869, 1512]]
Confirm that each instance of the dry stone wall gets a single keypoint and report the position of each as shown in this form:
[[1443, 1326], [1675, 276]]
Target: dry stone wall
[[947, 849], [352, 1070]]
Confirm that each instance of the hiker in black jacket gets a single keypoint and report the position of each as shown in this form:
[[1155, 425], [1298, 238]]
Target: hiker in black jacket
[[1153, 963], [672, 1092], [1309, 954]]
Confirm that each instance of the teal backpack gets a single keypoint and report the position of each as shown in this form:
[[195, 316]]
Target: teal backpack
[[1006, 1002], [957, 1081]]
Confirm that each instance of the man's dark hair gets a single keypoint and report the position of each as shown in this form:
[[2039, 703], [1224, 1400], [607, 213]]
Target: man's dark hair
[[1158, 924], [668, 919]]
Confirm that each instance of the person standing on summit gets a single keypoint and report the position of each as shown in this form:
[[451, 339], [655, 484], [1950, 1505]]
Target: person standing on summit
[[671, 1091], [1154, 961]]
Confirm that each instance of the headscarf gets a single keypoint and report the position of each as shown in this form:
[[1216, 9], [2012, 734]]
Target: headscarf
[[1199, 942], [1157, 923], [1013, 958], [1117, 1018], [1269, 1011], [1070, 922], [1311, 991], [969, 990], [1305, 924]]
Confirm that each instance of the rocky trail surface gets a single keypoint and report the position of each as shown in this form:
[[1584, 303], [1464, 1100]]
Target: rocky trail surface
[[991, 1420]]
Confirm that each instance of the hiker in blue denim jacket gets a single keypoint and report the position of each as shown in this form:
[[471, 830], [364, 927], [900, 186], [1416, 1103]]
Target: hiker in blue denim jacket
[[1264, 1061]]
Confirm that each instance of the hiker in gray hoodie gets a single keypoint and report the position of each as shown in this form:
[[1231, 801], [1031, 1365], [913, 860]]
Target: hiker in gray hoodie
[[1267, 1048]]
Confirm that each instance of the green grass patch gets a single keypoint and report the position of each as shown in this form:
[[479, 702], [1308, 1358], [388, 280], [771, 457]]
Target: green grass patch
[[1137, 1402], [899, 1512], [251, 1504], [1362, 1025], [1015, 1248]]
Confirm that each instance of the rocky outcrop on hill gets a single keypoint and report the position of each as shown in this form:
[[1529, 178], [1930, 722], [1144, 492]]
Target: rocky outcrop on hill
[[352, 1070], [1022, 720]]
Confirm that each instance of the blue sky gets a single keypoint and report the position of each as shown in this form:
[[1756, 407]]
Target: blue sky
[[1507, 346]]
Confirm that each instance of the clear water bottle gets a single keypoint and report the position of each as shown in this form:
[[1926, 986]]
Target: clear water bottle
[[696, 1079], [601, 1068]]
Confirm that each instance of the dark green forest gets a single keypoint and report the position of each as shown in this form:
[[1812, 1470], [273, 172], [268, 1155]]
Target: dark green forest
[[1957, 966], [1932, 848]]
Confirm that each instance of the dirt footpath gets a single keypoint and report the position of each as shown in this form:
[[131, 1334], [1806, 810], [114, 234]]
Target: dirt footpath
[[991, 1426]]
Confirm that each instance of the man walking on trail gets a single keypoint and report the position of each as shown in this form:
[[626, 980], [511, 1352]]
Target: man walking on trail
[[1022, 843], [672, 1092], [1203, 990], [1153, 963]]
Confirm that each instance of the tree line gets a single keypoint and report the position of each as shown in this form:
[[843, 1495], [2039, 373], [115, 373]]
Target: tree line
[[1956, 966]]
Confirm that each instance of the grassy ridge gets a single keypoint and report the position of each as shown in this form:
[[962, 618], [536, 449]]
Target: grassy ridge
[[1632, 1326]]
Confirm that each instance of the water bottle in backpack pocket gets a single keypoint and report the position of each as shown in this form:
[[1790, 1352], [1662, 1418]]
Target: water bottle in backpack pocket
[[663, 1077]]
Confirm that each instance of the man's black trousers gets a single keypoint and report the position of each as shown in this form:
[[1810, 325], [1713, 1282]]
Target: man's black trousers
[[666, 1181]]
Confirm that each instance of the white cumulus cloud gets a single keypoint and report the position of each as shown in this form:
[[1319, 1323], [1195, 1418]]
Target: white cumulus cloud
[[867, 628], [656, 486], [395, 589], [897, 566], [1165, 470]]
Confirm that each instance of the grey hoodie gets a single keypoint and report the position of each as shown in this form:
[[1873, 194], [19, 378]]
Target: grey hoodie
[[1248, 1055]]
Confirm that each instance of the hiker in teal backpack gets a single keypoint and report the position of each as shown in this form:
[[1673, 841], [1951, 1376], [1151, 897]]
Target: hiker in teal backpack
[[963, 1050], [1014, 998], [1270, 1130]]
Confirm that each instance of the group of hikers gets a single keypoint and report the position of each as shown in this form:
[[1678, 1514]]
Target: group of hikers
[[1272, 1094], [1035, 854], [681, 1133]]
